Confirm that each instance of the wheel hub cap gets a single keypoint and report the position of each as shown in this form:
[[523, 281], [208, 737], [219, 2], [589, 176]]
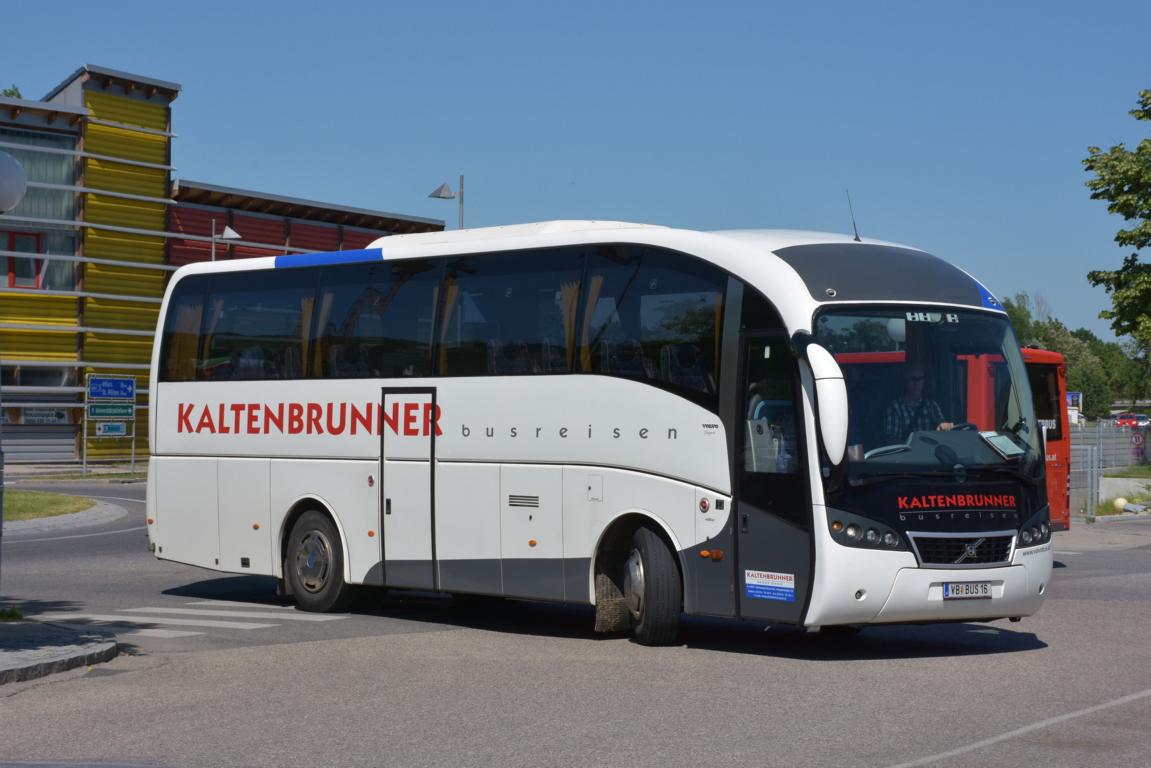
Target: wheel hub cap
[[313, 561], [633, 584]]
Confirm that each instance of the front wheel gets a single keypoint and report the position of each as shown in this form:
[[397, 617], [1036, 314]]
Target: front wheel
[[652, 589], [314, 566]]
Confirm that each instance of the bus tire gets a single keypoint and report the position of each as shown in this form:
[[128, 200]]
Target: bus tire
[[652, 590], [314, 565]]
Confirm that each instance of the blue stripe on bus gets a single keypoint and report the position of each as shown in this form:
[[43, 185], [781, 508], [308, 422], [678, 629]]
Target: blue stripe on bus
[[334, 257], [988, 298]]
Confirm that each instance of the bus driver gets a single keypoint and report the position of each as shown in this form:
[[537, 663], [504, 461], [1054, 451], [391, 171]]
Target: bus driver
[[912, 411]]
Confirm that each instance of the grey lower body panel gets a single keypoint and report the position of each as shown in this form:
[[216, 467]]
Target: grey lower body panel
[[555, 579]]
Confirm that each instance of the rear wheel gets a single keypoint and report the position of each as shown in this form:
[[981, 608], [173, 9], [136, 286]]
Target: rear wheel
[[314, 566], [652, 589]]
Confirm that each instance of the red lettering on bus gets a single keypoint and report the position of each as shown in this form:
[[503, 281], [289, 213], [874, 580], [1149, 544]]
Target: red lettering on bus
[[410, 410], [315, 412], [337, 429], [274, 418], [253, 418], [184, 417], [362, 419], [295, 418], [392, 420], [205, 422]]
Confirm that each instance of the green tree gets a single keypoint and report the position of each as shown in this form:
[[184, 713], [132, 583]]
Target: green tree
[[1122, 177], [1018, 309], [12, 93]]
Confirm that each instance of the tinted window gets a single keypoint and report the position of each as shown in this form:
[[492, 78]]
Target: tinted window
[[1045, 393], [375, 320], [512, 313], [653, 315], [256, 325], [179, 352]]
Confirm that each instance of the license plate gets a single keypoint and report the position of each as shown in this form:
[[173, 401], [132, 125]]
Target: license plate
[[966, 590]]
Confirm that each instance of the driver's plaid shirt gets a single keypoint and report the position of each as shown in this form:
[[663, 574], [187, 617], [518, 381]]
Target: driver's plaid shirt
[[900, 416]]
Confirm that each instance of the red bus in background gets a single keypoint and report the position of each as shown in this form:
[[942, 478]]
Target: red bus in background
[[971, 396], [1047, 372]]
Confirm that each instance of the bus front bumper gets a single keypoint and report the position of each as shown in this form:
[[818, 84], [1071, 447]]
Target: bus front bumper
[[918, 594]]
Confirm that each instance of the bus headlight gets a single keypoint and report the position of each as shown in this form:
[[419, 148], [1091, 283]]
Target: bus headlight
[[1036, 530], [853, 530]]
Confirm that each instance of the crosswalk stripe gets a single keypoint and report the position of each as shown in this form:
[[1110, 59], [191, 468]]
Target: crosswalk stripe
[[261, 606], [241, 614], [107, 618], [166, 634], [161, 633]]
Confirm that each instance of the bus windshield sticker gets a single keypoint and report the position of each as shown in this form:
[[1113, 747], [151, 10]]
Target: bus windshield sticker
[[766, 585], [932, 317], [1004, 445]]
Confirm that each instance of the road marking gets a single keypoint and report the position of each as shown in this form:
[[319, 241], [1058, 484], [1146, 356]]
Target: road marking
[[1027, 729], [241, 614], [113, 498], [108, 618], [210, 603], [1065, 552], [76, 535], [165, 634]]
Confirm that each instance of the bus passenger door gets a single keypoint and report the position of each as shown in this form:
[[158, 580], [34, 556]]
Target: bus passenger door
[[407, 482], [773, 507]]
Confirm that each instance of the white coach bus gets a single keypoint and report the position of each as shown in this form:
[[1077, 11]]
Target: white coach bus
[[782, 427]]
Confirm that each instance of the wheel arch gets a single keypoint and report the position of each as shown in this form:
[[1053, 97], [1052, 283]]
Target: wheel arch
[[295, 511], [617, 535]]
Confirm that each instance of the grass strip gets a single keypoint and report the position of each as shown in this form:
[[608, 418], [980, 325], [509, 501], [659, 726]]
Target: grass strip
[[30, 505]]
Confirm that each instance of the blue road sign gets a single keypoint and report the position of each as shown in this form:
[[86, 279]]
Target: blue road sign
[[111, 388]]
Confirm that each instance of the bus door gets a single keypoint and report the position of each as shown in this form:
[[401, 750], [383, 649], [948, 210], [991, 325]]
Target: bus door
[[407, 486], [773, 507]]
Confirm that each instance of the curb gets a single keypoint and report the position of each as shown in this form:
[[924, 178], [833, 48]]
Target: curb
[[75, 649], [100, 513]]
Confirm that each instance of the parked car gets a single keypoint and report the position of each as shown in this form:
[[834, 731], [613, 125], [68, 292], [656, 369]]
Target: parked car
[[1142, 420], [1126, 420]]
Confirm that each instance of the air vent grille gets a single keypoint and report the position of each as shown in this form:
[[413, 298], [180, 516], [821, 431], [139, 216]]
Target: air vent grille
[[523, 501]]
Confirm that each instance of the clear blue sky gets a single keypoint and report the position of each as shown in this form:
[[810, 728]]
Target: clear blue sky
[[959, 127]]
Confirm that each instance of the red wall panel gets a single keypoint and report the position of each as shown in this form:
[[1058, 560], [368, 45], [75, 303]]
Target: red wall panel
[[315, 237], [257, 229], [355, 240], [195, 221]]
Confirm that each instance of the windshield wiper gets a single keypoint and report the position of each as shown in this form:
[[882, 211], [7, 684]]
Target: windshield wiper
[[885, 477], [1009, 471], [861, 481]]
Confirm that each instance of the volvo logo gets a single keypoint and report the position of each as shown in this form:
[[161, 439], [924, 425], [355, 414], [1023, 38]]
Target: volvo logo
[[970, 549]]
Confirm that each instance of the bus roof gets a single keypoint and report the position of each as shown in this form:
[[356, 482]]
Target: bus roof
[[797, 270]]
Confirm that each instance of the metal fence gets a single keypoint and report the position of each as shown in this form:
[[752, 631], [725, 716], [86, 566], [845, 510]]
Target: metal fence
[[1095, 449]]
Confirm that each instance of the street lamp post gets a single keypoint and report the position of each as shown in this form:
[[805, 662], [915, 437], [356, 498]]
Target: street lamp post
[[444, 192], [227, 234]]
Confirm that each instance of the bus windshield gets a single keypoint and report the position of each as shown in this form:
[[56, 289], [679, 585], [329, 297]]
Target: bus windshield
[[931, 391]]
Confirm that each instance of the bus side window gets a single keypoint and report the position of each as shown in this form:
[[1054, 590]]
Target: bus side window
[[653, 314], [256, 325], [510, 314], [182, 330]]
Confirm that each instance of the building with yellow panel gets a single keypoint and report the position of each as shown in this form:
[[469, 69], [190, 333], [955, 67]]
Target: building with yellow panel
[[85, 257]]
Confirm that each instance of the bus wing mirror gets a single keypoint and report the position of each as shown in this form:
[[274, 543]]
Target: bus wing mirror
[[831, 395]]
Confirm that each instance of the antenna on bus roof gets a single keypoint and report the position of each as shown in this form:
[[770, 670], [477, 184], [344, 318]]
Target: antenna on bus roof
[[852, 209]]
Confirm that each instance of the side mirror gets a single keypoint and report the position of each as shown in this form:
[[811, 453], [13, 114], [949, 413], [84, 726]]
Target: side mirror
[[831, 396]]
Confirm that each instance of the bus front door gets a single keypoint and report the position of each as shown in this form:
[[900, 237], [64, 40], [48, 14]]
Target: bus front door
[[773, 507], [407, 486]]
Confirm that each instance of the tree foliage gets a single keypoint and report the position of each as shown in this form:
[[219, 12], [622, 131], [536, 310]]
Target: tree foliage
[[12, 92], [1122, 177], [1105, 372]]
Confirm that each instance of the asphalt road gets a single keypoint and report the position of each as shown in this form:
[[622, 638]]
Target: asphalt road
[[417, 681]]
